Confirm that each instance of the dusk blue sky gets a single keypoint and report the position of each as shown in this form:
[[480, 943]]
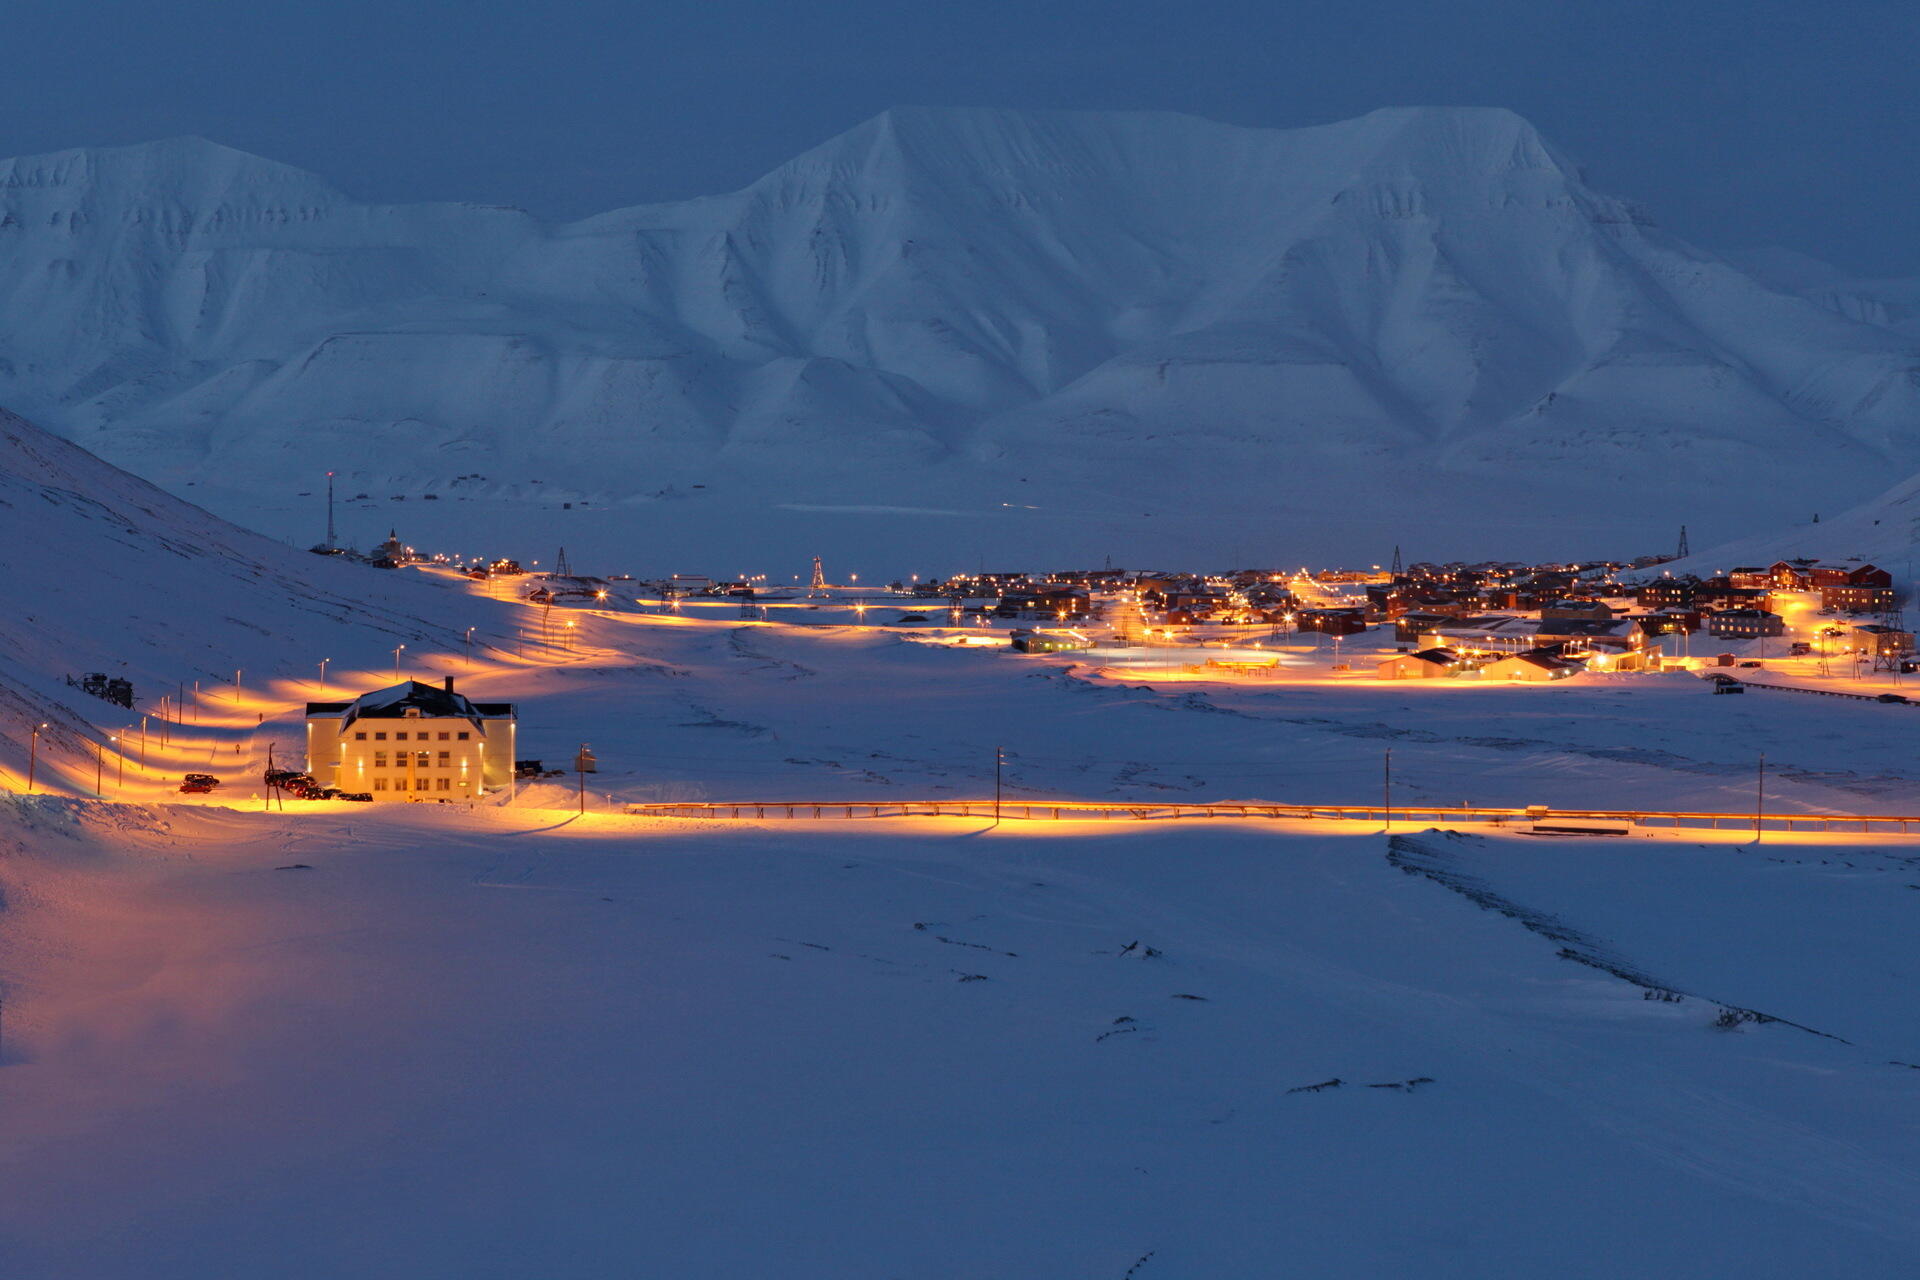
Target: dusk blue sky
[[1736, 122]]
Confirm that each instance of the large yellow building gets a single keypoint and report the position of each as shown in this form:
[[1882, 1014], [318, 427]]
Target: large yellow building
[[413, 741]]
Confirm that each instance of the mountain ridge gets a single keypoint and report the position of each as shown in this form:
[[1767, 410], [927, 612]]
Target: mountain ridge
[[1123, 305]]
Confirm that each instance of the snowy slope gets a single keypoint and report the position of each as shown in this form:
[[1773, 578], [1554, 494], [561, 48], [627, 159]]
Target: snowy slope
[[1884, 530], [106, 573], [1142, 333], [861, 1051]]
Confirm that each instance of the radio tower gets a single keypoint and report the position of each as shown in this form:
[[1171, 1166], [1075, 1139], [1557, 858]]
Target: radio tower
[[561, 569], [1397, 572], [1683, 552], [819, 582], [332, 541]]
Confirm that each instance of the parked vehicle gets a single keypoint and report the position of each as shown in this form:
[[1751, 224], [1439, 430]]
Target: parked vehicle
[[1731, 686], [1891, 697], [364, 797], [198, 784]]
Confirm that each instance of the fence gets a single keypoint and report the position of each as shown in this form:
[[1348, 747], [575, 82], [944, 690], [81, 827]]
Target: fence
[[1083, 810]]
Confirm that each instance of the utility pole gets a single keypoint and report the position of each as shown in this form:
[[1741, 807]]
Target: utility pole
[[120, 753], [1759, 796], [332, 541], [999, 761], [236, 684], [99, 768], [1386, 786]]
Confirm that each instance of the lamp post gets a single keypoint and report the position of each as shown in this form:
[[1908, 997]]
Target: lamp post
[[570, 636], [120, 753], [99, 767], [33, 756], [469, 648], [396, 661], [323, 673]]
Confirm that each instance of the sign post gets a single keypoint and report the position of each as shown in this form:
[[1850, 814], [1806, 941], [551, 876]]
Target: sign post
[[584, 764]]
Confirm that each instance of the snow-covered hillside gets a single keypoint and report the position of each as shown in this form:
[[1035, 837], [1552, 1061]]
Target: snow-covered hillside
[[106, 573], [1885, 530], [1149, 335]]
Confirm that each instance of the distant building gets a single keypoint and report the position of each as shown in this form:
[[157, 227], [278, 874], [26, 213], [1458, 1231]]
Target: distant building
[[1333, 622], [1739, 624], [392, 553], [1533, 667], [1428, 664], [1590, 610], [1047, 642], [413, 741], [1883, 642], [1859, 598]]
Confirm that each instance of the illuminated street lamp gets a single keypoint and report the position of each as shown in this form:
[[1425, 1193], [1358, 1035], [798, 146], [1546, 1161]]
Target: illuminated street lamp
[[33, 756], [323, 673], [396, 661], [570, 625], [469, 648], [236, 684]]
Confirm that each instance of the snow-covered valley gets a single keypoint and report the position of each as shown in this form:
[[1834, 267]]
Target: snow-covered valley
[[441, 1041], [553, 1034]]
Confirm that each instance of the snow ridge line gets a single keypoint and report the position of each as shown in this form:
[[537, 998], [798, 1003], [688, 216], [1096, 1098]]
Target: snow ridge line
[[1423, 857]]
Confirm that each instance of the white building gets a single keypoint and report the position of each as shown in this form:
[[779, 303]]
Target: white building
[[412, 742], [1428, 664]]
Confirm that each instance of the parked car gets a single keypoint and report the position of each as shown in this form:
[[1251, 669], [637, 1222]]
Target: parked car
[[198, 784], [364, 797], [1891, 697]]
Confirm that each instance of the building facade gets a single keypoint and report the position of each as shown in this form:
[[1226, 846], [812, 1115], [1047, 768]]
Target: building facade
[[414, 741]]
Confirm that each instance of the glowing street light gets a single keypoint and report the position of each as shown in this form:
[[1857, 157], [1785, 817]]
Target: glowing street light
[[396, 661], [236, 684], [470, 648], [323, 673], [33, 756]]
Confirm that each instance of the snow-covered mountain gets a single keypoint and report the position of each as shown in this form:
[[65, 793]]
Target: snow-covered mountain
[[1144, 333]]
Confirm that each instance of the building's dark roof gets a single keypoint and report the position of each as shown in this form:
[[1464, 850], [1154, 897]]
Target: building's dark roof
[[395, 702], [1441, 655]]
